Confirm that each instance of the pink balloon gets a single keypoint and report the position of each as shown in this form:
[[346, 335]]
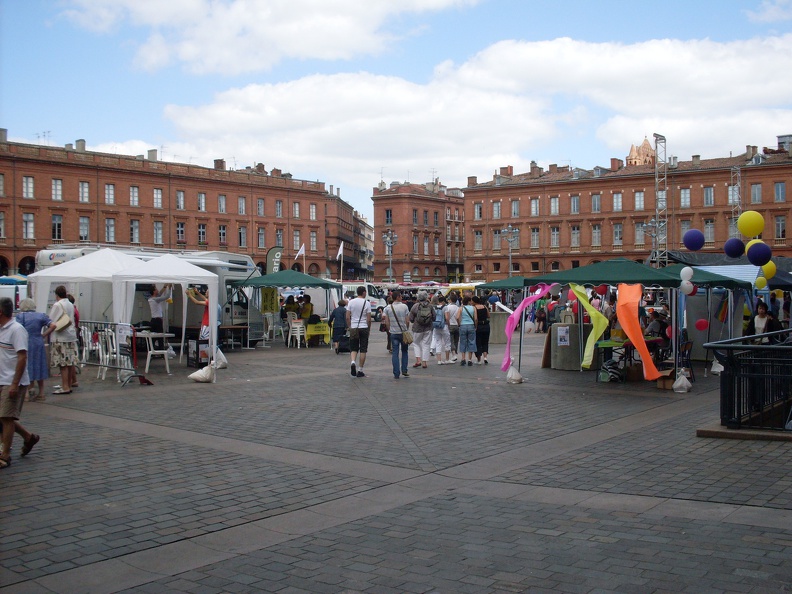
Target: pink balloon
[[601, 290], [668, 332], [694, 291], [702, 324]]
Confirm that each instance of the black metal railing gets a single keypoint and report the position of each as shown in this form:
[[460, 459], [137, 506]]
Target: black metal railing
[[756, 381]]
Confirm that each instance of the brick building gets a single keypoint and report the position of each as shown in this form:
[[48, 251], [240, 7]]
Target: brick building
[[51, 195], [428, 220], [569, 217]]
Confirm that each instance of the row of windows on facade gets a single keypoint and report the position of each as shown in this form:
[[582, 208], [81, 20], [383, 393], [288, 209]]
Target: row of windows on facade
[[641, 232], [733, 198], [435, 216], [416, 272], [29, 228], [496, 266], [84, 193], [416, 244]]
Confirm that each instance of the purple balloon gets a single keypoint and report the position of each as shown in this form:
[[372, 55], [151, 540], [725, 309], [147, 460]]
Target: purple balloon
[[693, 240], [759, 254], [734, 247]]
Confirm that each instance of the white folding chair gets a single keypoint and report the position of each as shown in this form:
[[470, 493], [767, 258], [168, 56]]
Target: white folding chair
[[152, 351], [296, 332]]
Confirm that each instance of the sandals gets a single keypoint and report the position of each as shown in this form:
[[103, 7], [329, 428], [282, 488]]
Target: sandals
[[62, 392], [416, 365], [5, 463], [29, 443]]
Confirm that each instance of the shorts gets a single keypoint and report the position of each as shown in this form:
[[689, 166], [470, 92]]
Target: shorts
[[11, 408], [359, 344]]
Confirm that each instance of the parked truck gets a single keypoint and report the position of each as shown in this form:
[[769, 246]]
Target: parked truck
[[374, 295]]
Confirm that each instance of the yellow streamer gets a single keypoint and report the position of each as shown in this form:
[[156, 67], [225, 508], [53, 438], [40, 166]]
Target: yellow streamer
[[598, 321]]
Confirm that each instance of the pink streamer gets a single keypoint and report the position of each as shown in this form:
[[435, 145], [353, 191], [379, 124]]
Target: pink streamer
[[514, 319]]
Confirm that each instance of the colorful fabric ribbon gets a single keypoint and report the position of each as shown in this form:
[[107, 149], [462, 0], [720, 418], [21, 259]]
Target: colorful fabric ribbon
[[627, 313], [514, 320], [599, 323]]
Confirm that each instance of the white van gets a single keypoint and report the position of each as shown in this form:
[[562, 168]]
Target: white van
[[373, 294]]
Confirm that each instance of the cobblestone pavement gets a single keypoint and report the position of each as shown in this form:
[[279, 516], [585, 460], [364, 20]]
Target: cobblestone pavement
[[288, 475]]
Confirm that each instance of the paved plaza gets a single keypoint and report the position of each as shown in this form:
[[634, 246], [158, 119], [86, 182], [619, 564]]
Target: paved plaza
[[288, 475]]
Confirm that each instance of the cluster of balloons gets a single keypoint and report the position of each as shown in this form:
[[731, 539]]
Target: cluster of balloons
[[687, 286], [751, 224]]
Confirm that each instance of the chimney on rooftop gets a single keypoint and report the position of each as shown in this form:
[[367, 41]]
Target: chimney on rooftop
[[260, 168], [535, 169], [696, 160], [553, 168], [616, 164], [3, 134], [152, 154], [275, 172], [80, 145], [508, 170], [219, 164], [69, 146], [472, 180]]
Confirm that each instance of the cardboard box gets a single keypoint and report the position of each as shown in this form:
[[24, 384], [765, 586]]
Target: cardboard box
[[666, 381]]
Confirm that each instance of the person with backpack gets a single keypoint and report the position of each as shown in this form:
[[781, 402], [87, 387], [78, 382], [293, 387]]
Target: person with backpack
[[441, 335], [422, 318]]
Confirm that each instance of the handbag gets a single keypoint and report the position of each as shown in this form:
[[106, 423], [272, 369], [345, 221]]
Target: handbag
[[407, 337], [63, 322], [382, 327], [355, 332]]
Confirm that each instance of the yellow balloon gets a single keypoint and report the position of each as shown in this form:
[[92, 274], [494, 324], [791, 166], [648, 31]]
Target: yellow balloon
[[769, 270], [750, 243], [750, 223], [761, 282]]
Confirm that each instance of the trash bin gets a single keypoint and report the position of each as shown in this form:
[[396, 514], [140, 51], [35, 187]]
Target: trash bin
[[197, 353]]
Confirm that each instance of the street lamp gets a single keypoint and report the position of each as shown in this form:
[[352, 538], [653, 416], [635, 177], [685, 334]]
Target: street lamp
[[655, 230], [512, 235], [389, 239]]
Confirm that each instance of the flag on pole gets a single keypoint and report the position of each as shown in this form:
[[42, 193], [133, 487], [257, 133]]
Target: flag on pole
[[301, 252], [340, 251]]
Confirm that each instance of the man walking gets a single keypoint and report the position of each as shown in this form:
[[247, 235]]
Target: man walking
[[358, 319], [13, 381], [395, 319]]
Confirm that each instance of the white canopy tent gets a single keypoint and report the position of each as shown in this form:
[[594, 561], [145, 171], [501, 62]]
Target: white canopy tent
[[96, 266], [165, 269]]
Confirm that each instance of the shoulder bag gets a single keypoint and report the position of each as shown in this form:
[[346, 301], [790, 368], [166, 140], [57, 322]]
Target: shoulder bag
[[407, 336], [63, 322], [355, 332]]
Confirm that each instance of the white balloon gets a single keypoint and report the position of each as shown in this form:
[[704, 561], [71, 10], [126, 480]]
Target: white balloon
[[686, 287], [686, 273]]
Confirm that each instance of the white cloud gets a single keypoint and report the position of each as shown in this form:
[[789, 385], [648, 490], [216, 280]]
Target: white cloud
[[234, 36], [771, 11]]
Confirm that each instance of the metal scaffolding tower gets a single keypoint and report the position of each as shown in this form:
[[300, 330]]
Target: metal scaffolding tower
[[659, 224], [735, 199]]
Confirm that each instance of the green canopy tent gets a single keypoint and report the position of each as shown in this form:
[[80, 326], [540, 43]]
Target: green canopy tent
[[288, 278]]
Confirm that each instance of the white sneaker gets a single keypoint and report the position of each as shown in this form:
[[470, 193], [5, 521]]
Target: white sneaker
[[454, 360], [440, 363], [478, 362]]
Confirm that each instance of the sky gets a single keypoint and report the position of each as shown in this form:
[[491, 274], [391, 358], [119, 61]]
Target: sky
[[352, 92]]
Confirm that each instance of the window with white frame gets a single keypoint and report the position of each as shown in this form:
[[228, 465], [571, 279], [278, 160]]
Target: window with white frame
[[158, 233], [110, 230], [639, 200], [27, 187], [388, 216], [733, 227], [436, 246], [279, 237], [534, 207], [684, 198], [296, 240], [596, 203], [780, 191], [426, 246], [496, 239], [617, 202], [221, 203], [709, 230], [202, 201], [780, 227], [312, 246], [515, 208], [57, 189], [596, 235], [312, 211], [574, 204], [84, 192], [2, 184], [201, 233], [134, 231], [296, 210], [436, 218], [555, 236], [618, 233], [260, 207], [109, 193], [496, 210], [574, 235], [180, 234], [222, 234], [478, 240], [479, 268], [426, 218], [478, 212], [57, 227], [28, 226], [639, 234], [684, 227], [415, 244], [134, 196], [661, 199], [84, 228], [415, 216], [157, 198], [242, 236], [279, 210], [733, 195], [241, 205], [535, 237], [554, 205], [709, 196], [756, 193], [180, 200], [2, 225], [261, 238]]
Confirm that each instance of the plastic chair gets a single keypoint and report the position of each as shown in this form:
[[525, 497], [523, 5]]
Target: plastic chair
[[152, 351], [107, 352], [685, 350], [296, 332]]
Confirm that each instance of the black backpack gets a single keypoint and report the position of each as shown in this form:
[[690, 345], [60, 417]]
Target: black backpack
[[425, 315]]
